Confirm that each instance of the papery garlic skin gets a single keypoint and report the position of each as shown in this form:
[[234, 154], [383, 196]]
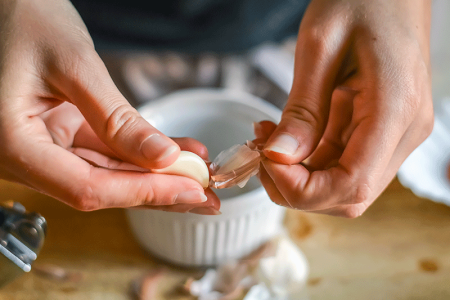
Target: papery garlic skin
[[189, 165], [234, 166], [285, 273]]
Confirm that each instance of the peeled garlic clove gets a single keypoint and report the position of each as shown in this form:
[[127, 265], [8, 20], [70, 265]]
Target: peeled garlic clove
[[188, 165]]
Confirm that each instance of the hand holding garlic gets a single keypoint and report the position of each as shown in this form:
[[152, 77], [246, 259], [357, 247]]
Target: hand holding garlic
[[189, 165], [233, 166], [58, 103], [360, 104]]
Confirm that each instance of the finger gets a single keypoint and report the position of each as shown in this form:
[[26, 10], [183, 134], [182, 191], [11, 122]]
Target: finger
[[334, 139], [89, 188], [88, 85], [63, 122], [86, 138], [192, 145], [354, 180], [305, 116], [207, 211], [263, 129], [413, 137], [271, 188], [210, 207], [102, 161], [288, 185], [8, 176], [345, 211], [371, 141], [68, 129], [213, 200]]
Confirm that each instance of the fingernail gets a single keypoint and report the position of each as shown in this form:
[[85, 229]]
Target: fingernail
[[208, 211], [284, 144], [157, 148], [190, 197]]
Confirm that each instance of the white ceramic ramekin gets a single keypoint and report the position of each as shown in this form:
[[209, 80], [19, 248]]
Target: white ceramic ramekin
[[219, 119]]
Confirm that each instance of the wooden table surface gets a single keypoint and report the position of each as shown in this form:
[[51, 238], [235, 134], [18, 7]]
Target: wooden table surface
[[399, 249]]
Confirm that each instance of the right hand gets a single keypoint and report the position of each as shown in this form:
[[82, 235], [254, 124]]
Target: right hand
[[360, 104], [47, 63]]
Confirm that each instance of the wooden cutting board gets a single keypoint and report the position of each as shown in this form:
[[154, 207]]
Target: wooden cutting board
[[399, 249]]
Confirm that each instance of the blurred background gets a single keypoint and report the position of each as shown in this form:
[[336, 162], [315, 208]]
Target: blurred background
[[399, 249], [145, 76]]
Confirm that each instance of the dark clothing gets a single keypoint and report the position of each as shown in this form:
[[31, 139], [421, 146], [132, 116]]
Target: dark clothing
[[189, 25]]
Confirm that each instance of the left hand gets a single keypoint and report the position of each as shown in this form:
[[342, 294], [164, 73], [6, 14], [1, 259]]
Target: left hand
[[78, 137]]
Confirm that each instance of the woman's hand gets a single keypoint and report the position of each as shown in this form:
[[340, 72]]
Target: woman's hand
[[49, 73], [359, 105]]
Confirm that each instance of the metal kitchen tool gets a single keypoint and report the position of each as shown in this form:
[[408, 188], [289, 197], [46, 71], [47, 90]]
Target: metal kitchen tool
[[22, 235]]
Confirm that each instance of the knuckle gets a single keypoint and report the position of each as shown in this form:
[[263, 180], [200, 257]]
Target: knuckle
[[352, 212], [147, 193], [427, 127], [362, 194], [84, 199], [307, 195], [423, 123], [82, 34], [312, 38], [122, 120], [300, 199], [412, 105], [304, 111]]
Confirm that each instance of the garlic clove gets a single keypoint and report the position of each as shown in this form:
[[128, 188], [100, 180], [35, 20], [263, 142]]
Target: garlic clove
[[189, 165]]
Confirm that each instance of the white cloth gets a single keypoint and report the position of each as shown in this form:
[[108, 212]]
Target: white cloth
[[425, 170]]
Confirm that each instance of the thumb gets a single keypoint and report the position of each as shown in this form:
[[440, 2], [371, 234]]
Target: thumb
[[112, 118], [306, 113]]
